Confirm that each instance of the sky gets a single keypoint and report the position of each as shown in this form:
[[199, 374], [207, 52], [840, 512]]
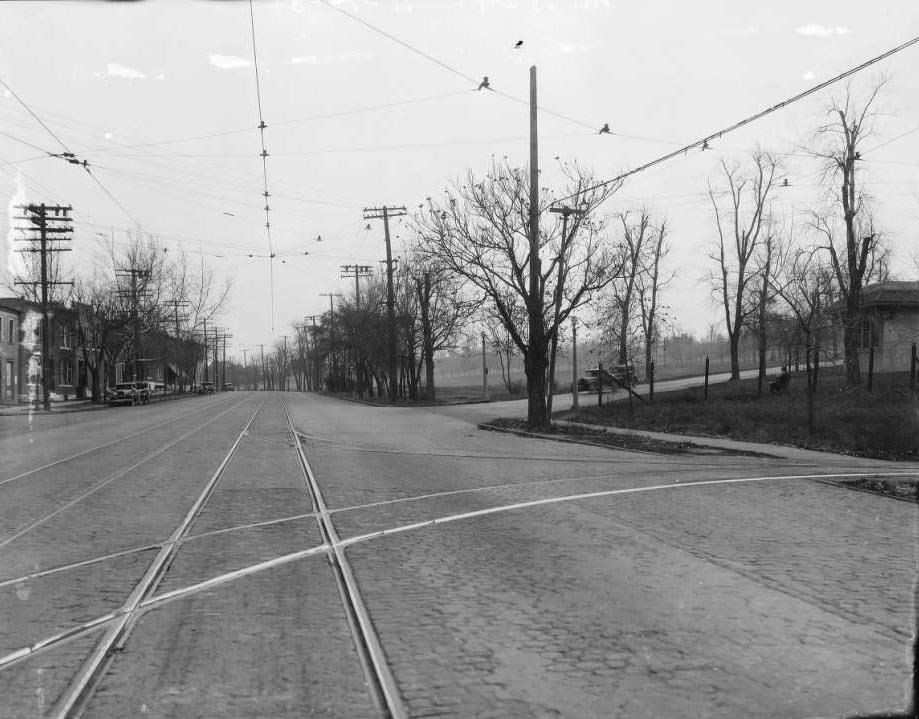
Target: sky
[[381, 107]]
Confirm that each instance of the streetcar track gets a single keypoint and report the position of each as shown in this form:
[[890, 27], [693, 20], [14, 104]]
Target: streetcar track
[[90, 673], [380, 680], [371, 505], [152, 602], [108, 444], [148, 547], [672, 460], [338, 544], [112, 478], [594, 495]]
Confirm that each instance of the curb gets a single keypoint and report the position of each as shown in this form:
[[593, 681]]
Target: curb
[[25, 410], [609, 430]]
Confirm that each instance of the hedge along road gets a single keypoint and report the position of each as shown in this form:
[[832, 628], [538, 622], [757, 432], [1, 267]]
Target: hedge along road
[[559, 580]]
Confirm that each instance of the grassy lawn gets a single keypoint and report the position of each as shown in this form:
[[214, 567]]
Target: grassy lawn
[[883, 423]]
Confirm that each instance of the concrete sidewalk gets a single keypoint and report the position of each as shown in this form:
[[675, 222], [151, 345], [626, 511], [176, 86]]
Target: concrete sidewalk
[[57, 407]]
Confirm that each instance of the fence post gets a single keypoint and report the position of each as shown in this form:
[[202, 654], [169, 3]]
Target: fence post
[[912, 368], [870, 367], [651, 382], [706, 376], [600, 385]]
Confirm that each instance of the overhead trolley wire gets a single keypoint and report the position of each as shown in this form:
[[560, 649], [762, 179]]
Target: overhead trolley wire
[[261, 128], [703, 143], [69, 155]]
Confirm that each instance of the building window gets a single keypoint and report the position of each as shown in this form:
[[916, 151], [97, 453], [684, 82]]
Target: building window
[[65, 373], [867, 335], [12, 329], [66, 337]]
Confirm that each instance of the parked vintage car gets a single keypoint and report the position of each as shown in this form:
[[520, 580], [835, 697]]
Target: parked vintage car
[[229, 387], [131, 393], [206, 388], [616, 375]]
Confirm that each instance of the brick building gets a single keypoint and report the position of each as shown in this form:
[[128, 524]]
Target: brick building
[[20, 352]]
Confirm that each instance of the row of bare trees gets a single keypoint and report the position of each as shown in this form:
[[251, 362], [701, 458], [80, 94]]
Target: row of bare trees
[[473, 261], [813, 267], [137, 304]]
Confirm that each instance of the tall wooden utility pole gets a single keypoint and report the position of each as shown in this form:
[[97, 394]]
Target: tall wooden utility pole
[[565, 212], [373, 213], [53, 224], [357, 271], [176, 304], [205, 350], [264, 385], [330, 295], [135, 293], [535, 359], [574, 362]]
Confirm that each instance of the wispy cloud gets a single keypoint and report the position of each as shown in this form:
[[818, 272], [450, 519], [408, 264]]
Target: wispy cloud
[[329, 59], [228, 62], [813, 29], [115, 69], [809, 75]]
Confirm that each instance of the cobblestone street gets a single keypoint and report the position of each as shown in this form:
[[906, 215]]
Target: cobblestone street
[[187, 560]]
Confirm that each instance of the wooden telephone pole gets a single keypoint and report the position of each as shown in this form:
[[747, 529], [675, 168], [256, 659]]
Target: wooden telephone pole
[[357, 271], [49, 224], [384, 213]]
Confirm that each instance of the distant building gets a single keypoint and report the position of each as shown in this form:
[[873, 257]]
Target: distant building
[[9, 355], [889, 324], [20, 351]]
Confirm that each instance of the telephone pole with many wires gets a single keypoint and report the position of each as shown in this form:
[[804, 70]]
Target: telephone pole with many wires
[[357, 271], [175, 304], [332, 368], [49, 224], [135, 292], [384, 213]]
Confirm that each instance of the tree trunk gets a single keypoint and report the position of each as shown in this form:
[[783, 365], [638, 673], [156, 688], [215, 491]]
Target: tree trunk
[[535, 366], [734, 342], [430, 392], [850, 340]]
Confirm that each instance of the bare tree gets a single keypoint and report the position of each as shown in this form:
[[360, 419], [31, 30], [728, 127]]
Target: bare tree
[[648, 285], [858, 253], [805, 283], [740, 228], [481, 233], [442, 306]]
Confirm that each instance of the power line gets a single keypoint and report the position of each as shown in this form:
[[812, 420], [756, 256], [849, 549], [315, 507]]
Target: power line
[[703, 143], [32, 113], [444, 65], [68, 155], [264, 155]]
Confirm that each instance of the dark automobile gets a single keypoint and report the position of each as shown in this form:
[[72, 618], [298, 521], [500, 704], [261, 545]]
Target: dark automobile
[[617, 375], [206, 388], [229, 387], [131, 393]]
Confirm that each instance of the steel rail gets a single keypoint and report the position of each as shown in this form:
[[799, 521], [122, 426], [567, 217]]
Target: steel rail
[[107, 444], [380, 679], [81, 688], [112, 478]]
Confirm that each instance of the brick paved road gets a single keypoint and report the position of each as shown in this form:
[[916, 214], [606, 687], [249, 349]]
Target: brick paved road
[[768, 598]]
